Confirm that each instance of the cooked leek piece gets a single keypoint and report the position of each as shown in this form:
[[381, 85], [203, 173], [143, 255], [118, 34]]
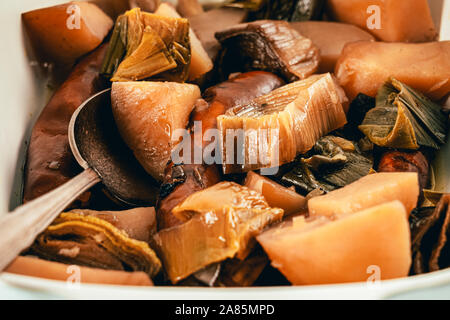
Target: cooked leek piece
[[432, 197], [175, 34], [276, 127], [334, 162], [434, 189], [150, 58], [117, 47], [223, 221], [135, 30], [404, 118], [145, 45], [201, 63], [116, 240]]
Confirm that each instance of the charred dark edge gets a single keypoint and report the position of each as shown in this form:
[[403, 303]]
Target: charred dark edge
[[178, 177]]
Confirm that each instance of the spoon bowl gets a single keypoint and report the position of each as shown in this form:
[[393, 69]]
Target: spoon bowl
[[96, 143]]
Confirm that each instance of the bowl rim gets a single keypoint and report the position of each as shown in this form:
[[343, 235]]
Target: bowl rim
[[383, 289]]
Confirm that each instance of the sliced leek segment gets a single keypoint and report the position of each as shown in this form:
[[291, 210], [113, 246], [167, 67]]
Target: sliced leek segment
[[145, 45], [275, 128], [150, 58], [117, 47]]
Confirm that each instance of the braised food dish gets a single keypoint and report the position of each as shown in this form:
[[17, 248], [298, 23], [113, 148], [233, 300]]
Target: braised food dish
[[292, 142]]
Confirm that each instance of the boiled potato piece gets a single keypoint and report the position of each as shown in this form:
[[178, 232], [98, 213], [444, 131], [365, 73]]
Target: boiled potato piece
[[147, 114], [367, 192], [275, 194], [388, 20], [373, 242], [330, 38], [365, 66], [65, 32]]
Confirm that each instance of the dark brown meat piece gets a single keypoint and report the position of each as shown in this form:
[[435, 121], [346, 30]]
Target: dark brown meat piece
[[49, 161], [406, 161], [183, 180], [268, 45]]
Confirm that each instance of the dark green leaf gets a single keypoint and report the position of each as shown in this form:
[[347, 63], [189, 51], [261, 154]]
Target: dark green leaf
[[404, 118], [356, 114], [117, 47], [333, 163]]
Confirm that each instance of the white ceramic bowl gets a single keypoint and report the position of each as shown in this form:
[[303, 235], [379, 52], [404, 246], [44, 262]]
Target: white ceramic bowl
[[24, 93]]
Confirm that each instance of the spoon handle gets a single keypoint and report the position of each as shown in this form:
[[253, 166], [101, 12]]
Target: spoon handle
[[19, 228]]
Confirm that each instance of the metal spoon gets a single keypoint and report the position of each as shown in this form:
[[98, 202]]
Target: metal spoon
[[97, 146]]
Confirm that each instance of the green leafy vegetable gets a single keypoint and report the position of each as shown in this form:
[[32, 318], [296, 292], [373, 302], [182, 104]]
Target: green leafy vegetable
[[404, 118], [117, 47], [333, 163]]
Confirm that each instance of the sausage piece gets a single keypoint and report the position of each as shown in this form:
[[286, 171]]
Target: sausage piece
[[406, 161], [49, 161]]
